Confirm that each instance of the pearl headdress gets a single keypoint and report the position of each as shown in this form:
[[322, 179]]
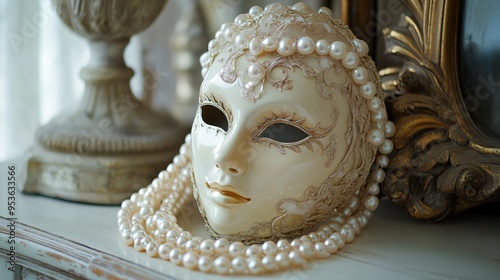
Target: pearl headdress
[[273, 31]]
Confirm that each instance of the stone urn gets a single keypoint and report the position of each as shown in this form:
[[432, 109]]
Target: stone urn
[[110, 144]]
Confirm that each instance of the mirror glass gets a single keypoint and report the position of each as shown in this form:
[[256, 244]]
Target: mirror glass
[[479, 63]]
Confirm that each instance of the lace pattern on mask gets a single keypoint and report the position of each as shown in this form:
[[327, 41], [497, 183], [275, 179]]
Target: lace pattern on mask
[[299, 217]]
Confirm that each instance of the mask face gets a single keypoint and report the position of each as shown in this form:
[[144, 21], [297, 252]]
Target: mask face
[[253, 161]]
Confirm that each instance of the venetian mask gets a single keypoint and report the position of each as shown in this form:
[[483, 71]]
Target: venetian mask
[[289, 122]]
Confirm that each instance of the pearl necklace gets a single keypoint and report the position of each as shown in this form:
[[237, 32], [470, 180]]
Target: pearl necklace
[[147, 221]]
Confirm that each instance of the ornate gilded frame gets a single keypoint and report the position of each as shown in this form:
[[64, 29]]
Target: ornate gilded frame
[[442, 163]]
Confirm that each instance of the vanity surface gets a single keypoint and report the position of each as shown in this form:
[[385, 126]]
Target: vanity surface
[[66, 240]]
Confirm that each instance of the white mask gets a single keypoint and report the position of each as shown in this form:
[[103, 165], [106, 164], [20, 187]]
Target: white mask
[[283, 136]]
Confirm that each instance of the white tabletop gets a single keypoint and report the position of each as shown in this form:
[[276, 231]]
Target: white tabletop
[[392, 246]]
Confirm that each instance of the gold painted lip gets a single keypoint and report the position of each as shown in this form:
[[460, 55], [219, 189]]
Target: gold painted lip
[[222, 195]]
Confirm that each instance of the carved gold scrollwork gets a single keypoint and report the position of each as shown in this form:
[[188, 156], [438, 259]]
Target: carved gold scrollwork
[[442, 163]]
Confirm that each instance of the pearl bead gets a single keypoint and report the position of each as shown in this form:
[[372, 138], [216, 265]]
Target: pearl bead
[[175, 256], [367, 213], [239, 264], [390, 129], [269, 263], [255, 11], [230, 32], [124, 226], [255, 46], [136, 228], [347, 211], [221, 264], [359, 75], [368, 90], [213, 45], [186, 234], [219, 35], [138, 245], [361, 47], [306, 249], [351, 60], [331, 245], [236, 249], [269, 44], [126, 204], [378, 175], [135, 198], [241, 41], [205, 263], [326, 11], [207, 247], [269, 248], [375, 104], [256, 71], [338, 219], [379, 115], [240, 19], [302, 8], [159, 235], [363, 221], [322, 47], [386, 147], [283, 245], [253, 251], [221, 245], [204, 60], [164, 250], [321, 235], [286, 46], [172, 235], [320, 250], [371, 203], [338, 50], [327, 230], [181, 241], [347, 232], [254, 265], [152, 248], [382, 161], [314, 237], [353, 202], [296, 258], [372, 188], [339, 239], [282, 259], [304, 238], [375, 136], [127, 238], [305, 45], [190, 260], [171, 168], [163, 224], [353, 221]]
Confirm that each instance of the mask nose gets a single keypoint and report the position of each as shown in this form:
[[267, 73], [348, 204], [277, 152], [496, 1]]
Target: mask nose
[[229, 159]]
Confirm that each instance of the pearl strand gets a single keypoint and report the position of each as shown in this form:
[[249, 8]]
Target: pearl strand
[[157, 233]]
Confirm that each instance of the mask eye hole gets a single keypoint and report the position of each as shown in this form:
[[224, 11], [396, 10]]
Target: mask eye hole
[[284, 133], [214, 116]]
